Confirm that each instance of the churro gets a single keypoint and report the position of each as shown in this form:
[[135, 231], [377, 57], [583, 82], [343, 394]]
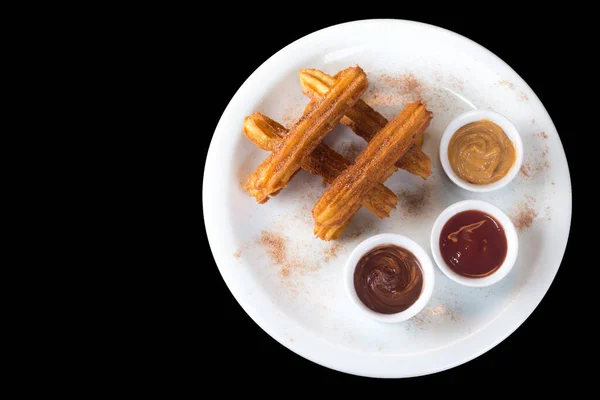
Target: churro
[[365, 121], [340, 202], [323, 161], [278, 168]]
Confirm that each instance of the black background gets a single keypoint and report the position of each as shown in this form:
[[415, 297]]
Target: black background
[[545, 344]]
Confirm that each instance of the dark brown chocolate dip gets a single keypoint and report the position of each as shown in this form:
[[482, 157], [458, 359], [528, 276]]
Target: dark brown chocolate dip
[[388, 279]]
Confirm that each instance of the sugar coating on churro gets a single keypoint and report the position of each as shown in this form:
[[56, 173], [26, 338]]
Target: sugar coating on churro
[[338, 204], [278, 168], [323, 161], [365, 121]]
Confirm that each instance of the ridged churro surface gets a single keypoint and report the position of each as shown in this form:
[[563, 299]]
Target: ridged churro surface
[[323, 161], [342, 199], [277, 169], [365, 121]]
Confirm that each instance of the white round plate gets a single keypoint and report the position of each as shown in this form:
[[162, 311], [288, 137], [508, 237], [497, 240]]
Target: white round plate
[[292, 284]]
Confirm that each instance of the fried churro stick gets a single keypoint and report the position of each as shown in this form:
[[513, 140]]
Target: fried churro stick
[[390, 170], [323, 161], [341, 200], [365, 121], [275, 172]]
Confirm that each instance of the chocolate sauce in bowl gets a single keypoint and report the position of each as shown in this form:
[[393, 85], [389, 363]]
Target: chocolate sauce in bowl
[[388, 279]]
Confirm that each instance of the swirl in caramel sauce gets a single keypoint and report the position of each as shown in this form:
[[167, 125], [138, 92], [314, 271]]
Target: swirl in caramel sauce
[[481, 153], [388, 279]]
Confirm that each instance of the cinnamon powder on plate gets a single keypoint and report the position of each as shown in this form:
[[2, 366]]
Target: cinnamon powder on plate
[[276, 247], [412, 202], [541, 135], [395, 90], [508, 84], [538, 163], [404, 83], [350, 150], [331, 252], [524, 215], [526, 169]]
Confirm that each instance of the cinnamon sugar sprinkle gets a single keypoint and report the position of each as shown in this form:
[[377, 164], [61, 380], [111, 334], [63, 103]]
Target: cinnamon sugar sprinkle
[[276, 247], [350, 150], [435, 315], [399, 89], [412, 202], [404, 83], [359, 230], [538, 165], [523, 214], [548, 212], [240, 250], [292, 114], [541, 135], [331, 252], [438, 310], [289, 119]]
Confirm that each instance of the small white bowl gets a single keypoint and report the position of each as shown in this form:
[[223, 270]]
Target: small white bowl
[[410, 245], [512, 242], [477, 115]]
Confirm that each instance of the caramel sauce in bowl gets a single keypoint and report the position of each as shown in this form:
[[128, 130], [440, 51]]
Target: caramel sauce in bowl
[[389, 278], [474, 243], [481, 151]]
